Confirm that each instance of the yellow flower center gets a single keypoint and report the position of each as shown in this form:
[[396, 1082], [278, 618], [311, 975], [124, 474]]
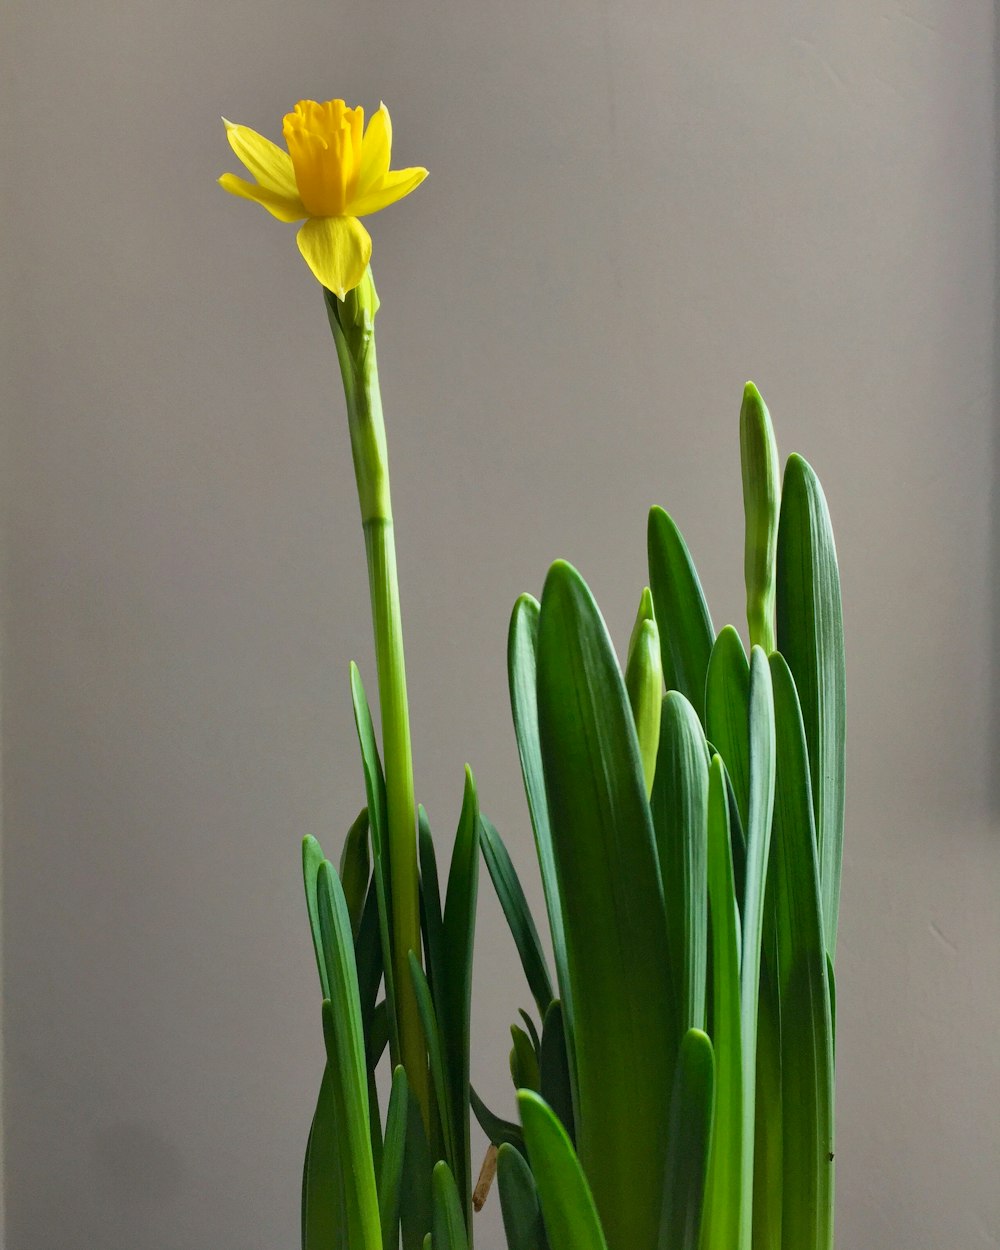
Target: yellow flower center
[[324, 142]]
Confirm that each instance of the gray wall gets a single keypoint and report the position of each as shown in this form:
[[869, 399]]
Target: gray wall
[[633, 206]]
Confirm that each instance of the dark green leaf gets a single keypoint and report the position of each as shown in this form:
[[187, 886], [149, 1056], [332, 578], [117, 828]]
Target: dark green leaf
[[355, 868], [557, 1089], [518, 915], [522, 1214], [690, 1141], [680, 815], [449, 1230], [811, 638], [602, 837], [682, 616], [392, 1159], [496, 1129], [727, 693]]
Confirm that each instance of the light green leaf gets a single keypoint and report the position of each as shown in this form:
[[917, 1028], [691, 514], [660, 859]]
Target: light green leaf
[[644, 683], [449, 1230], [571, 1219], [312, 857], [758, 832], [523, 1061], [761, 500]]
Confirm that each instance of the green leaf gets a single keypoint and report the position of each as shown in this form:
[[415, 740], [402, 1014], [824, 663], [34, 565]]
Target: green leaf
[[324, 1223], [602, 836], [430, 903], [767, 1159], [449, 1230], [346, 1060], [522, 1213], [761, 501], [532, 1031], [557, 1089], [811, 638], [518, 914], [721, 1228], [435, 1055], [375, 791], [415, 1208], [523, 1061], [680, 814], [392, 1159], [522, 645], [806, 1024], [568, 1210], [355, 868], [686, 633], [690, 1143], [456, 994], [496, 1129], [727, 695], [312, 857], [760, 808]]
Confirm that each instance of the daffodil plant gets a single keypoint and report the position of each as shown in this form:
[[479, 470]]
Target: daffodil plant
[[675, 1084]]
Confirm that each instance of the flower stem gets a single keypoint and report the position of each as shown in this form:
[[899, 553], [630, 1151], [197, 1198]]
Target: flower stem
[[352, 322]]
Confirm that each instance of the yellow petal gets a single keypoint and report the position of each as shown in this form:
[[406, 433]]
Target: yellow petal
[[284, 207], [375, 151], [337, 250], [269, 164], [395, 184]]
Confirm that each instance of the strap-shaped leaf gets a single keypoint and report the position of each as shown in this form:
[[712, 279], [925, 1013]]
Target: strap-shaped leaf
[[517, 913], [612, 903], [324, 1218], [568, 1210], [355, 868], [557, 1089], [449, 1231], [727, 694], [768, 1154], [682, 616], [391, 1174], [375, 791], [522, 646], [436, 1057], [760, 809], [811, 638], [522, 1212], [723, 1198], [345, 1050], [806, 1024], [430, 902], [496, 1129], [455, 996], [416, 1210], [761, 499], [680, 815], [690, 1143], [523, 1061], [312, 857]]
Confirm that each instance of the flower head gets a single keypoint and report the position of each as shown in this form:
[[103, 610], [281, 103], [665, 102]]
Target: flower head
[[333, 172]]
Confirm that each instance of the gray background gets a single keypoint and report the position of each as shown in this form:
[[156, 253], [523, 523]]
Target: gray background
[[632, 208]]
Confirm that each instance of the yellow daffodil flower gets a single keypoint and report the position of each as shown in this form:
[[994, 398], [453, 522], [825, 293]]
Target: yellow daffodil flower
[[333, 172]]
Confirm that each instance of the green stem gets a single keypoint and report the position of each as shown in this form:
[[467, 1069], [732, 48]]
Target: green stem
[[352, 322]]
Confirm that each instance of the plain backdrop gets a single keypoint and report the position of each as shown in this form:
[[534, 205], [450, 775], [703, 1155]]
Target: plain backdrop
[[633, 207]]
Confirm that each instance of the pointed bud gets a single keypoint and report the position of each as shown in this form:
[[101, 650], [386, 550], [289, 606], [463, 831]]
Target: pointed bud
[[761, 505], [644, 683]]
